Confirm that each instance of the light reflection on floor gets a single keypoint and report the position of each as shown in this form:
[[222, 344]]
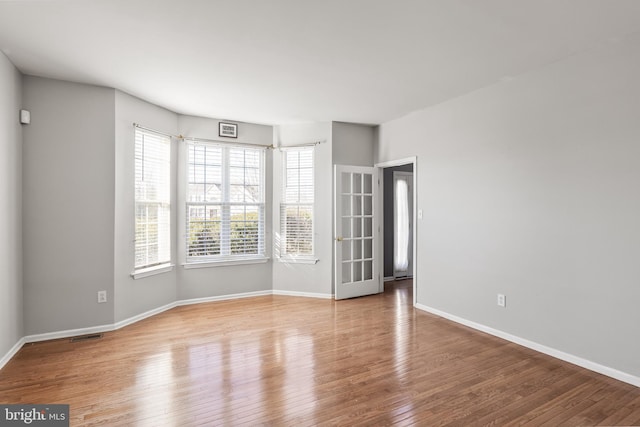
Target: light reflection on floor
[[213, 366]]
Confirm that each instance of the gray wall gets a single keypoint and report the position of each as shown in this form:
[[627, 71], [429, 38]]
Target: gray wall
[[133, 297], [68, 204], [79, 209], [352, 144], [307, 278], [217, 281], [11, 325], [530, 188], [388, 216]]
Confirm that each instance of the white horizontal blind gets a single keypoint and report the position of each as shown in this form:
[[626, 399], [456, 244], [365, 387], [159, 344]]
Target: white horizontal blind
[[296, 209], [225, 202], [152, 199]]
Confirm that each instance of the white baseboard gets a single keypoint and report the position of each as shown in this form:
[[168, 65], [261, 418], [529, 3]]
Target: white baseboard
[[579, 361], [142, 316], [302, 294], [68, 333], [389, 279], [131, 320], [222, 298], [12, 352]]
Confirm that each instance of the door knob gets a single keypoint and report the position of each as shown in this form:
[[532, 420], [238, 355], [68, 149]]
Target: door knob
[[338, 239]]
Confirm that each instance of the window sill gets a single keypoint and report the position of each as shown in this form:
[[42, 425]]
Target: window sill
[[298, 260], [224, 262], [151, 271]]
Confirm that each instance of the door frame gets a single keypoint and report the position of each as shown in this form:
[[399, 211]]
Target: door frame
[[380, 218]]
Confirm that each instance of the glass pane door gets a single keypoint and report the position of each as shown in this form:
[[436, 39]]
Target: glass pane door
[[355, 225]]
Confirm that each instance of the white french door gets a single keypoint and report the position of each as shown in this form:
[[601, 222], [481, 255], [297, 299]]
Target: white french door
[[356, 231]]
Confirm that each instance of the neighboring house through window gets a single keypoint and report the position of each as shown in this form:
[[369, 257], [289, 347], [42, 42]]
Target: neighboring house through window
[[225, 203]]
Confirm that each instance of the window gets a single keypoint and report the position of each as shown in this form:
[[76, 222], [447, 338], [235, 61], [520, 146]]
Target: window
[[296, 209], [152, 199], [401, 231], [225, 205]]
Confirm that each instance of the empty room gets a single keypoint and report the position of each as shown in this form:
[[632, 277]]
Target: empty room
[[295, 212]]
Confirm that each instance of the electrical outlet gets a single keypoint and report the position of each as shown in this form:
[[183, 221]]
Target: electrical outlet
[[102, 297], [502, 300]]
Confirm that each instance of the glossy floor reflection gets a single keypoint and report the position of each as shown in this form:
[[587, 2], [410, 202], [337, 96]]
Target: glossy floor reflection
[[280, 360]]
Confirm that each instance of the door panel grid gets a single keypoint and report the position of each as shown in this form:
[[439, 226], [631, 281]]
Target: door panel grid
[[357, 227]]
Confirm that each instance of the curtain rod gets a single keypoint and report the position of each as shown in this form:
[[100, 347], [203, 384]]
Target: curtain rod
[[219, 141], [306, 144], [139, 126], [189, 138]]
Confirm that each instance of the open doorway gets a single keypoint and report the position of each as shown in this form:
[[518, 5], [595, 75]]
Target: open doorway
[[397, 216], [398, 222]]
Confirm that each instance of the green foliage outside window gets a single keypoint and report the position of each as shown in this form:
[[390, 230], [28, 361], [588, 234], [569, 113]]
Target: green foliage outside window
[[205, 236]]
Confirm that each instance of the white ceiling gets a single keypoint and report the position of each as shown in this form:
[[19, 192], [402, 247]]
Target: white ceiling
[[281, 61]]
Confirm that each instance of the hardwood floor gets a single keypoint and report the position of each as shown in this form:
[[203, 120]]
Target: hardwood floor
[[278, 360]]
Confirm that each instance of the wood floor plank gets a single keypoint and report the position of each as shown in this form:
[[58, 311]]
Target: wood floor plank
[[279, 360]]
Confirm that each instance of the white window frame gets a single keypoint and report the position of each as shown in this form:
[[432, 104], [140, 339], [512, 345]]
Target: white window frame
[[302, 258], [162, 203], [225, 257]]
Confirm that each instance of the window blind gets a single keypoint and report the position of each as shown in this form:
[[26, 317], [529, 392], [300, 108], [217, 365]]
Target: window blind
[[152, 199], [225, 202], [296, 209]]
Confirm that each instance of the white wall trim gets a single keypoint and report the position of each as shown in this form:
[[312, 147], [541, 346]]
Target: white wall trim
[[68, 333], [388, 164], [222, 298], [389, 279], [558, 354], [584, 363], [138, 317], [288, 259], [142, 316], [134, 319], [151, 271], [398, 162], [12, 352], [224, 262], [302, 294]]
